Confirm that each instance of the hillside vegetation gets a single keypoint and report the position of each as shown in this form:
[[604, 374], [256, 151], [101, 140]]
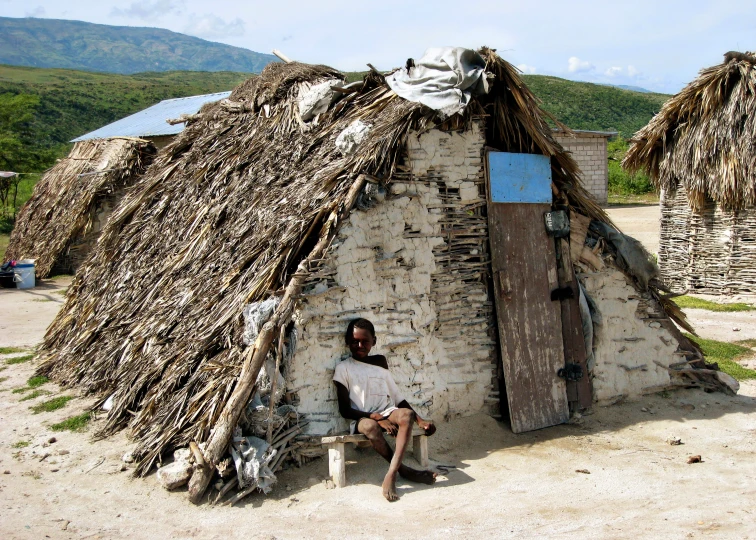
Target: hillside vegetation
[[590, 106], [117, 49]]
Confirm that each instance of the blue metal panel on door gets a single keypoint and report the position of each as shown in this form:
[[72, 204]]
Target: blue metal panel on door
[[519, 178]]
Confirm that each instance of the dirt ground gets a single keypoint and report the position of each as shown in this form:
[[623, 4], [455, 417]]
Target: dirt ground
[[611, 474], [641, 221]]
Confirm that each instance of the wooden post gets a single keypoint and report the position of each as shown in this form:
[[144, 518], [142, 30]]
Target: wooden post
[[420, 449], [337, 464], [255, 355]]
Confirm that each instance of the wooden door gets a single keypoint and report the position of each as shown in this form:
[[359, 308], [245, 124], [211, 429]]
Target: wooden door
[[524, 269]]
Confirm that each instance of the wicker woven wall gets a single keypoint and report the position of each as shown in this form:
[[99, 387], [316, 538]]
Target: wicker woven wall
[[712, 251]]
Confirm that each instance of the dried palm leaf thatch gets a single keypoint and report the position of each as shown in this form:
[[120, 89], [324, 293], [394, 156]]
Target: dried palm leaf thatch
[[62, 207], [223, 218], [704, 138]]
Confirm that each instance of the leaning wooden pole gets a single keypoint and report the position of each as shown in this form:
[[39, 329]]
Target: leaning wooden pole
[[256, 354]]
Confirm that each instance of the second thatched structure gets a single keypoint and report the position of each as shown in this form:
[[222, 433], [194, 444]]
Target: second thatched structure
[[61, 222], [700, 151]]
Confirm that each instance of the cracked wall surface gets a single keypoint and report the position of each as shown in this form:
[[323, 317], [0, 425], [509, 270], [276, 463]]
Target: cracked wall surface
[[631, 342]]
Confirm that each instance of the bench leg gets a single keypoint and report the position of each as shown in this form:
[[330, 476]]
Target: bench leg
[[337, 464], [420, 449]]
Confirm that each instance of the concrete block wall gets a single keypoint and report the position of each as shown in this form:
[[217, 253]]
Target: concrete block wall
[[589, 150], [392, 265]]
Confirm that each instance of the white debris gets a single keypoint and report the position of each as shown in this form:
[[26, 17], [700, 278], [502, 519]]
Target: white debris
[[349, 139], [315, 99], [127, 457], [108, 403]]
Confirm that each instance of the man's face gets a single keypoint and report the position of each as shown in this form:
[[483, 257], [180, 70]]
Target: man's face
[[361, 343]]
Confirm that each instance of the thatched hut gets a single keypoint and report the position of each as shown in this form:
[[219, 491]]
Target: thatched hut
[[230, 271], [62, 220], [700, 151]]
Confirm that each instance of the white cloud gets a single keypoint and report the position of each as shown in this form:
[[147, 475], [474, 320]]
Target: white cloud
[[146, 11], [530, 70], [613, 71], [212, 27], [38, 12], [576, 65], [632, 71]]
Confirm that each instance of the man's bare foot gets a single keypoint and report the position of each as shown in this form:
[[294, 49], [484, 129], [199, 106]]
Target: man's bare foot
[[389, 487], [421, 477]]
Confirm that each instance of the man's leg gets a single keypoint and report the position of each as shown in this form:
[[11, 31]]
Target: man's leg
[[374, 433]]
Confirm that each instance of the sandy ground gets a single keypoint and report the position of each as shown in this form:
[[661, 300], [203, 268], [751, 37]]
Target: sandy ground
[[639, 221], [609, 475]]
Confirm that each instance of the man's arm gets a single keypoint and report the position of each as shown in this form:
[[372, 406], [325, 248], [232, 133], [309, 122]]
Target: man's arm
[[345, 406]]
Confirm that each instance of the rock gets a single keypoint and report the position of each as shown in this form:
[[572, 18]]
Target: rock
[[6, 472], [54, 470], [52, 440], [644, 409], [674, 441], [695, 459], [583, 471], [735, 329], [174, 475], [182, 454], [128, 458], [329, 484], [729, 381], [63, 452]]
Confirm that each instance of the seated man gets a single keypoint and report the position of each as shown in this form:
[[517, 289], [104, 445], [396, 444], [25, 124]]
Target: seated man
[[369, 397]]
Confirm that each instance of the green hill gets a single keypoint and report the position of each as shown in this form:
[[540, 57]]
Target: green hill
[[56, 43], [582, 105], [59, 104]]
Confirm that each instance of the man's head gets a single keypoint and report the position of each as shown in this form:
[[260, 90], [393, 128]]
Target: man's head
[[360, 338]]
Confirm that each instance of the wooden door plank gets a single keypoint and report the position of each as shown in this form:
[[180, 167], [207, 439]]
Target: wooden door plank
[[530, 326]]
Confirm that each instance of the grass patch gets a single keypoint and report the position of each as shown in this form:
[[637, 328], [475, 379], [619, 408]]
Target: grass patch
[[75, 423], [725, 355], [37, 381], [20, 444], [4, 241], [11, 350], [35, 394], [19, 359], [62, 292], [51, 404], [3, 379], [691, 302], [747, 342], [21, 390]]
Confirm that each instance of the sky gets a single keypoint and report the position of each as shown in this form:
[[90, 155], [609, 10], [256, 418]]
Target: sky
[[658, 45]]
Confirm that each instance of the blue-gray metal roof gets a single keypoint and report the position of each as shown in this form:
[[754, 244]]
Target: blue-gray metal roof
[[151, 122]]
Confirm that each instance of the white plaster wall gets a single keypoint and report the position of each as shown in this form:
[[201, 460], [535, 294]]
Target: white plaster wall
[[628, 342], [388, 265]]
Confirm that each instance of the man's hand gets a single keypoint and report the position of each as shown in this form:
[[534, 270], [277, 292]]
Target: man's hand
[[425, 425], [389, 427], [376, 416]]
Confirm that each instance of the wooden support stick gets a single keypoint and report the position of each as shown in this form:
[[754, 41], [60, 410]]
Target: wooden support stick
[[420, 449], [255, 355], [199, 459], [274, 384], [282, 56]]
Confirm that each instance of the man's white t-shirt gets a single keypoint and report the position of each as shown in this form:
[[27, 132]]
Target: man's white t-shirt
[[371, 388]]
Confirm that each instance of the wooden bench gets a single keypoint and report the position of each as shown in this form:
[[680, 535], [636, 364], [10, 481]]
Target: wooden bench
[[337, 459]]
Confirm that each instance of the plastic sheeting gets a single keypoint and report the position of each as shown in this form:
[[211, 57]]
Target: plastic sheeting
[[444, 79], [631, 254], [252, 457]]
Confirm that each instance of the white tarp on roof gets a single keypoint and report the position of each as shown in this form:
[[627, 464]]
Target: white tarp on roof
[[444, 79]]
